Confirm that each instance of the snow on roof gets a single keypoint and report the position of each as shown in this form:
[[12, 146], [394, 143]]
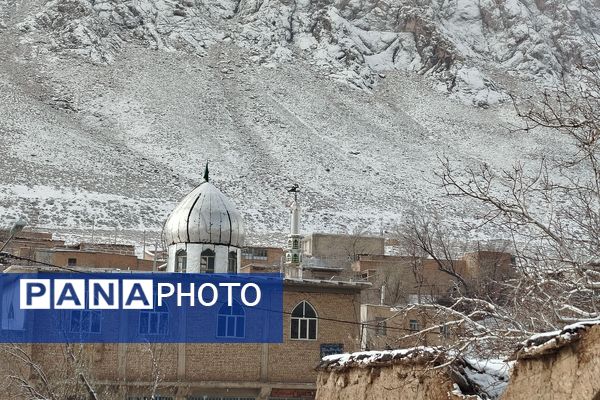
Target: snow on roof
[[383, 357], [549, 342], [484, 378]]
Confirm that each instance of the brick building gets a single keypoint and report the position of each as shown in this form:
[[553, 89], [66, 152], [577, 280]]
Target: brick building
[[205, 234], [40, 246], [403, 280], [262, 256], [386, 327], [70, 257], [331, 311], [25, 243]]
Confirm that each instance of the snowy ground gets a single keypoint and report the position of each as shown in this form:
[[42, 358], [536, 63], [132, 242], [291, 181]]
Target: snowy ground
[[121, 143]]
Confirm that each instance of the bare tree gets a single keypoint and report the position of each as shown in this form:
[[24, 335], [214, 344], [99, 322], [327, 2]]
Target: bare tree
[[551, 212], [67, 371], [426, 237]]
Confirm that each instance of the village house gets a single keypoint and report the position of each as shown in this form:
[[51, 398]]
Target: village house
[[262, 256], [399, 280], [41, 247], [25, 243], [72, 257], [386, 327], [337, 285]]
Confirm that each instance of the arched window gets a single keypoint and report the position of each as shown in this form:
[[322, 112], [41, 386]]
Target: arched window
[[304, 322], [295, 244], [155, 321], [231, 321], [86, 321], [207, 261], [232, 262], [181, 261], [295, 258]]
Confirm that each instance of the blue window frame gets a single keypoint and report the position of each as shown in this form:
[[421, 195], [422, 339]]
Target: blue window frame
[[155, 321], [86, 321], [231, 321]]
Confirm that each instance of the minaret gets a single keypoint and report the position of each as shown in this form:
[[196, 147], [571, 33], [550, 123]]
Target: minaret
[[293, 255]]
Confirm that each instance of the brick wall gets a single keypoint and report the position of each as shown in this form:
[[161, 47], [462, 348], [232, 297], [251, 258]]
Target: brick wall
[[93, 260], [273, 256], [191, 367], [396, 324], [295, 360], [408, 279]]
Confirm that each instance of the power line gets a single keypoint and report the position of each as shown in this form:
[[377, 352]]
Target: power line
[[341, 321], [15, 257], [367, 325]]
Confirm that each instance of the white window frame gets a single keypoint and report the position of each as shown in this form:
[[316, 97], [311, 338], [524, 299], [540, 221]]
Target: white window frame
[[181, 255], [204, 261], [307, 319]]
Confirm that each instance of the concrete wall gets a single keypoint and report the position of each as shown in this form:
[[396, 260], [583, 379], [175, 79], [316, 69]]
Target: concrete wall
[[341, 246]]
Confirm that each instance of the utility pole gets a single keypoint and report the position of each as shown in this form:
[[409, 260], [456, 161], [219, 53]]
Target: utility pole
[[144, 246], [155, 255], [16, 228]]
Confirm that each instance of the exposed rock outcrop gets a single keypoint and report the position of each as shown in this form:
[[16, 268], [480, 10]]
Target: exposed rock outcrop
[[461, 42]]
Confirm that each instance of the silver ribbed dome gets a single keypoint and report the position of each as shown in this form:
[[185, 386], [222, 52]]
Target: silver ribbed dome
[[205, 215]]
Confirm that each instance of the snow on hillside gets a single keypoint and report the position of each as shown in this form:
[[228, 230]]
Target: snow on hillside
[[110, 108]]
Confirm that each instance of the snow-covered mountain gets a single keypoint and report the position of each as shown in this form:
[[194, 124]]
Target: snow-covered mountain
[[109, 108]]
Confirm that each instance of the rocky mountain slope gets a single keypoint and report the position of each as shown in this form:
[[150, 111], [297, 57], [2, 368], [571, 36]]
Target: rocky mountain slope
[[110, 108]]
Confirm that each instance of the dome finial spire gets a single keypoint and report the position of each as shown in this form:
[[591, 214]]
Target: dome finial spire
[[206, 172]]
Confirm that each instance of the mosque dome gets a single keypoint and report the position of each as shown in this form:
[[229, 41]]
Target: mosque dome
[[205, 216]]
